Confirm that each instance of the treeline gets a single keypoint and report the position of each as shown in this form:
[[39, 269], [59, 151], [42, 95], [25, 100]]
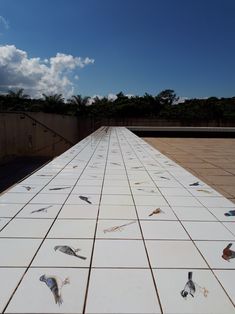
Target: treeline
[[164, 105]]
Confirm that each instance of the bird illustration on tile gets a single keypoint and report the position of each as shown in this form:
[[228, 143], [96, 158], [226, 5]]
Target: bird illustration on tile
[[55, 284], [69, 251], [156, 211], [230, 213], [189, 288], [228, 253], [194, 184], [85, 199], [44, 209], [60, 188]]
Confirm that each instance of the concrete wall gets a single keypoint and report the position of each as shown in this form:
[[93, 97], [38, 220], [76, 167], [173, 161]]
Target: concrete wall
[[21, 135]]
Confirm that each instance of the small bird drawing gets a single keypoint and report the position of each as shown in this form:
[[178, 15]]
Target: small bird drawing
[[28, 188], [230, 213], [55, 284], [189, 288], [44, 209], [164, 178], [68, 250], [194, 184], [227, 253], [156, 211], [62, 188], [85, 199]]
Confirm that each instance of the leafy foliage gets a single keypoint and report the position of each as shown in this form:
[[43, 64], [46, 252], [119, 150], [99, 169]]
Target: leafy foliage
[[164, 105]]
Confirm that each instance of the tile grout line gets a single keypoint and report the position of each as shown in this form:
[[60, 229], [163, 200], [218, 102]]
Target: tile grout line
[[145, 247], [96, 226]]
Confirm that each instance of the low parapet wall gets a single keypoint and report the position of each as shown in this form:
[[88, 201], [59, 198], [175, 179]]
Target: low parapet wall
[[36, 134]]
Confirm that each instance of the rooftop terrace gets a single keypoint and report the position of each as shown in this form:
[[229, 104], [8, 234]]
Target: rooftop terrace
[[150, 234]]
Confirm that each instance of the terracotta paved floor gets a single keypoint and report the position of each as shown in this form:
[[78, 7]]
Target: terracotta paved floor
[[212, 160]]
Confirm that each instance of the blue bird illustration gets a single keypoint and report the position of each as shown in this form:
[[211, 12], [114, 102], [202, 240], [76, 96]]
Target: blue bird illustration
[[55, 284]]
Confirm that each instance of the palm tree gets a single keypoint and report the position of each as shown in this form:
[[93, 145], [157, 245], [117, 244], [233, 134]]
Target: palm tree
[[54, 103], [18, 94], [79, 103]]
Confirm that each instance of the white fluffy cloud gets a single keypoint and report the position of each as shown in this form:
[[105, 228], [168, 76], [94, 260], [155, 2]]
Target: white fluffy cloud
[[37, 76]]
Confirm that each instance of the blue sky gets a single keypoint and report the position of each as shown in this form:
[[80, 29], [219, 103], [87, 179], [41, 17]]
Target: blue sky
[[134, 46]]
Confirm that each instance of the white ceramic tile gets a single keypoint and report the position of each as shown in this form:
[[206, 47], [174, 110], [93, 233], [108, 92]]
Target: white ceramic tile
[[122, 183], [174, 254], [203, 192], [27, 189], [36, 180], [118, 229], [10, 278], [163, 230], [223, 213], [50, 199], [145, 190], [142, 183], [17, 252], [27, 228], [63, 182], [119, 253], [73, 229], [86, 182], [226, 278], [15, 198], [150, 200], [175, 191], [152, 212], [213, 251], [116, 199], [115, 177], [183, 201], [121, 291], [117, 212], [207, 231], [41, 297], [193, 213], [39, 211], [83, 199], [78, 211], [79, 189], [116, 190], [215, 202], [10, 210], [230, 226], [171, 282], [50, 256]]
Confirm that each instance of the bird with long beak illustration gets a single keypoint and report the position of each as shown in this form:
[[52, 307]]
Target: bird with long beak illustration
[[55, 284], [68, 250], [227, 253]]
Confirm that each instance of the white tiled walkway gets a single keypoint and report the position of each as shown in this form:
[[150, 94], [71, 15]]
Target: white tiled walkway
[[142, 224]]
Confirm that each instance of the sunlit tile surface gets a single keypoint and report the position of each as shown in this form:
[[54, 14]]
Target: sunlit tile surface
[[114, 226]]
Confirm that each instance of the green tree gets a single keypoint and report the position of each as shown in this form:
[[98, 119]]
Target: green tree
[[167, 97], [78, 104], [54, 103]]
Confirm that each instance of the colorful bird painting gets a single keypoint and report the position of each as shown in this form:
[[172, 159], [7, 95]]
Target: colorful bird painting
[[55, 284], [228, 253]]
